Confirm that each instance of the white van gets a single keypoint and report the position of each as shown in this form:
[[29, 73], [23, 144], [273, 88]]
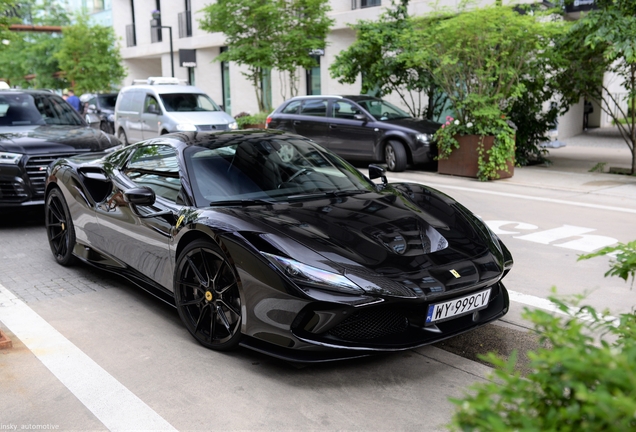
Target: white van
[[161, 105]]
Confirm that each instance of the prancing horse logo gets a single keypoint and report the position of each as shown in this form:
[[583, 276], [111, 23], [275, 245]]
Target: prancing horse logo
[[455, 273]]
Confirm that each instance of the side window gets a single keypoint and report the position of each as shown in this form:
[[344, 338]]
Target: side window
[[314, 107], [345, 110], [150, 100], [292, 108], [157, 167]]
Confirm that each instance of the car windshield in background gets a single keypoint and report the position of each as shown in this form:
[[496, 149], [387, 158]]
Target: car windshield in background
[[382, 110], [188, 102], [107, 101], [22, 109], [258, 170]]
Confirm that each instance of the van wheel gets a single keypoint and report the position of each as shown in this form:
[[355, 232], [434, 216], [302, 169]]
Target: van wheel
[[395, 156], [122, 137]]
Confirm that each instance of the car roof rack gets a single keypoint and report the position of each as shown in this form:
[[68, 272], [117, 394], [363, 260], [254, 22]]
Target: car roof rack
[[160, 81]]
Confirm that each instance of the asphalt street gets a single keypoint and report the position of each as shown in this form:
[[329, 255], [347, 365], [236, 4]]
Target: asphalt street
[[93, 352]]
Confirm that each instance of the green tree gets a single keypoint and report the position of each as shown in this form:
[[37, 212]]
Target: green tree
[[89, 57], [305, 26], [28, 60], [267, 34], [604, 40], [381, 54]]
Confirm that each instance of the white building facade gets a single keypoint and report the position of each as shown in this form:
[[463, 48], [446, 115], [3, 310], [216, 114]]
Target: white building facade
[[147, 52]]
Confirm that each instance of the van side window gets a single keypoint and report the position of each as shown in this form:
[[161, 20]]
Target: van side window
[[150, 100]]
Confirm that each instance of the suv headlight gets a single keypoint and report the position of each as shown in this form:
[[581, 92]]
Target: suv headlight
[[425, 138], [303, 274], [186, 127], [233, 126], [10, 158]]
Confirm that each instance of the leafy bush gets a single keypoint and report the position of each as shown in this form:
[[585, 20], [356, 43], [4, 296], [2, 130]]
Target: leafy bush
[[245, 119], [575, 384]]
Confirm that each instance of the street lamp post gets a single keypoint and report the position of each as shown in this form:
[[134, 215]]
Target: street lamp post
[[156, 20]]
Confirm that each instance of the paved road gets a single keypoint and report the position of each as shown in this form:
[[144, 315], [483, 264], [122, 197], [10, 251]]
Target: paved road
[[92, 352]]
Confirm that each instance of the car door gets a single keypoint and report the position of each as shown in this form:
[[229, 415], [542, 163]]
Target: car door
[[133, 117], [150, 118], [312, 121], [348, 136], [140, 235]]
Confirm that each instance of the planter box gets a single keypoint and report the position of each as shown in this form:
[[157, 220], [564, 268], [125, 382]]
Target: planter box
[[254, 126], [463, 161]]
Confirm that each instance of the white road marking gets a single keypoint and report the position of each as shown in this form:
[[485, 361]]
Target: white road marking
[[541, 303], [112, 403], [512, 195]]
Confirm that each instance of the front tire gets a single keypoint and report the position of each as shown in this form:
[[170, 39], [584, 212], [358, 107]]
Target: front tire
[[59, 228], [122, 137], [395, 156], [206, 290]]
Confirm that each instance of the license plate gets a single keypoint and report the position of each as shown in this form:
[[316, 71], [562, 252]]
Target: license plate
[[457, 307]]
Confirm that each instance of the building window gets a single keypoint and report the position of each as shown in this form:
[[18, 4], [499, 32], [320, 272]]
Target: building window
[[370, 3], [225, 83], [185, 21], [155, 33], [191, 76], [313, 78]]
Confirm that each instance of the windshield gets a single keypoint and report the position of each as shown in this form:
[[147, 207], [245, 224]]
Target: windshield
[[188, 102], [270, 169], [107, 101], [23, 109], [382, 110]]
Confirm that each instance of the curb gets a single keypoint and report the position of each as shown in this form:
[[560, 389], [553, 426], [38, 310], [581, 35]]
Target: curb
[[5, 342]]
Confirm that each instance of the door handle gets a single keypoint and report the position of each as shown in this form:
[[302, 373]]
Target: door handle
[[296, 122], [333, 126]]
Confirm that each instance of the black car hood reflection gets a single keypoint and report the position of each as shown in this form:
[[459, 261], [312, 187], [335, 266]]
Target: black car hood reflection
[[420, 125], [51, 139], [383, 234]]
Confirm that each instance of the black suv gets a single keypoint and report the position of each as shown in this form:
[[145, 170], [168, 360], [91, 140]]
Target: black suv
[[37, 127], [359, 128]]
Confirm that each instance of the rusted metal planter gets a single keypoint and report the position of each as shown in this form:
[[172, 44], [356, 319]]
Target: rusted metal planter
[[463, 160]]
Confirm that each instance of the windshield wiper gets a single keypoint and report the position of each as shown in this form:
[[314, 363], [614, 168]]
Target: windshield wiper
[[335, 193], [242, 202]]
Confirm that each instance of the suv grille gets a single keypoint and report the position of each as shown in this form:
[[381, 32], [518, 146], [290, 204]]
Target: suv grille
[[12, 191], [36, 170], [371, 324]]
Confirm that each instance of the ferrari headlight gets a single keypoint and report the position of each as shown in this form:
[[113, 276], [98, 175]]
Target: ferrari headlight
[[186, 127], [233, 126], [304, 274], [10, 158], [425, 138]]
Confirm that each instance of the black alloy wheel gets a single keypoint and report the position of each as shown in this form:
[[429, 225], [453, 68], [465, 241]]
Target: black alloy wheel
[[206, 290], [395, 156], [59, 228]]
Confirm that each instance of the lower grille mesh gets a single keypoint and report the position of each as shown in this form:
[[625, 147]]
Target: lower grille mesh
[[371, 324]]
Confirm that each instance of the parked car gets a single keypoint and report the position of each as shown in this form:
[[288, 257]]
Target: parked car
[[161, 105], [359, 128], [102, 105], [37, 127], [268, 240]]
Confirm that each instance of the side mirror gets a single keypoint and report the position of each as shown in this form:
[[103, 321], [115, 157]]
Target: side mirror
[[360, 117], [140, 196], [93, 120], [153, 109], [92, 107], [376, 171]]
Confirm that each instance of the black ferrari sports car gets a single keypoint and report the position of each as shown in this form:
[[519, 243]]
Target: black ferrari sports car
[[267, 240]]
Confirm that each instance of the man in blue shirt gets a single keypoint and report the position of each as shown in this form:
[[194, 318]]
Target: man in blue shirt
[[73, 100]]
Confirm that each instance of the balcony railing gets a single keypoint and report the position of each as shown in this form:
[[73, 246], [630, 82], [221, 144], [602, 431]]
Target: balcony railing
[[131, 37], [185, 24]]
